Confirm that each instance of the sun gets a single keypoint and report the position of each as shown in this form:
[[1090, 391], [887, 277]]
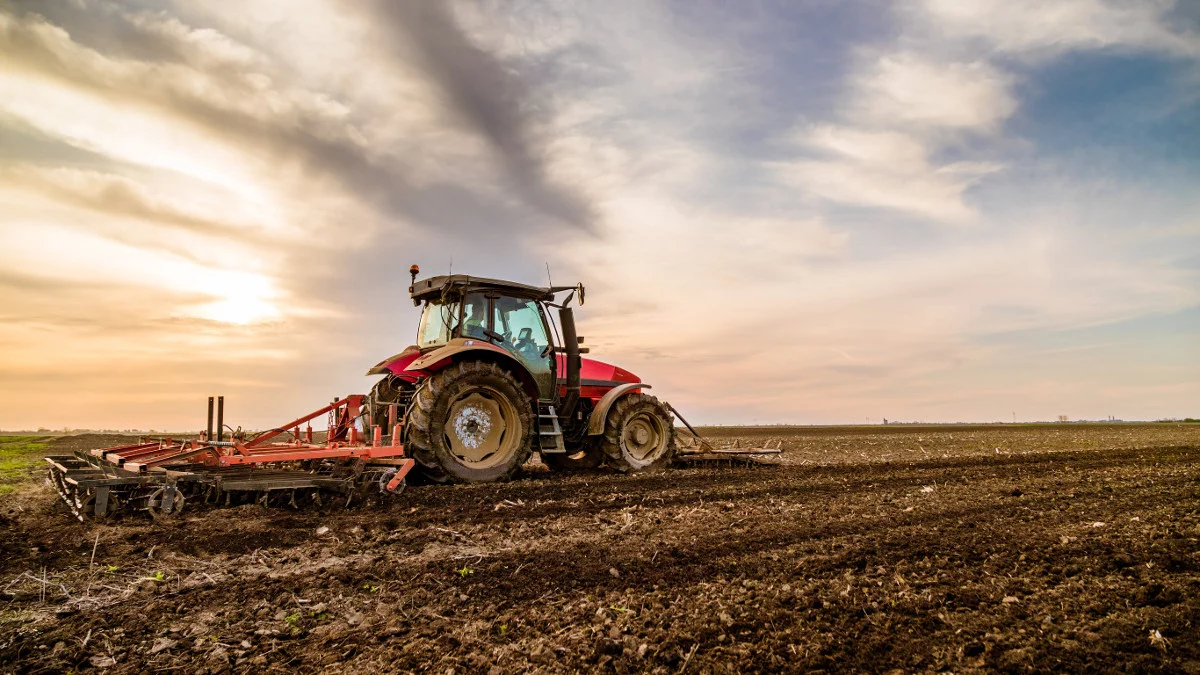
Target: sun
[[239, 298], [239, 311]]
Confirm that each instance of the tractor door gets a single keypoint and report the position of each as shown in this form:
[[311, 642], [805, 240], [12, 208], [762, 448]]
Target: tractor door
[[521, 323]]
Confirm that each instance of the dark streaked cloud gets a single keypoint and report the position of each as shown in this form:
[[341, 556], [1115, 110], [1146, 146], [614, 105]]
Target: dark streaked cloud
[[485, 95]]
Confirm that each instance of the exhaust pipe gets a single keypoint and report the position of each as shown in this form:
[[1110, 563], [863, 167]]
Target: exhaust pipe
[[566, 318]]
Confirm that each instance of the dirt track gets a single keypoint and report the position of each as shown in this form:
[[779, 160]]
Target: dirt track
[[961, 548]]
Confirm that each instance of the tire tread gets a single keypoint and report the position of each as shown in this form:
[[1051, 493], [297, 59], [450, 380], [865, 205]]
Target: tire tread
[[611, 444], [418, 435]]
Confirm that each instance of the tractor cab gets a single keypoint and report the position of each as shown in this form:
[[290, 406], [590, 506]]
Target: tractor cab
[[504, 314]]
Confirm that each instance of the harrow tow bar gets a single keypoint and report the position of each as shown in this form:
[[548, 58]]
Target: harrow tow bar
[[396, 484]]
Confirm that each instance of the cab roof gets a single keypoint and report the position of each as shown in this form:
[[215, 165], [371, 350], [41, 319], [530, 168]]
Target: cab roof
[[436, 287]]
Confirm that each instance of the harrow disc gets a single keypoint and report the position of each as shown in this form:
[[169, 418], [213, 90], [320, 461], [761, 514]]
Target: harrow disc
[[56, 481]]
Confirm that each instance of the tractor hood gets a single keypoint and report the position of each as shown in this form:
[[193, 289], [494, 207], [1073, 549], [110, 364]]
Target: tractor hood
[[593, 373]]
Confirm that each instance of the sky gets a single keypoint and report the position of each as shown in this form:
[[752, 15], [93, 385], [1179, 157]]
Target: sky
[[807, 212]]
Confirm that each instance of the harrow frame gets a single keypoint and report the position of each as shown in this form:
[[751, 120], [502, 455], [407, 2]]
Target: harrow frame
[[155, 474]]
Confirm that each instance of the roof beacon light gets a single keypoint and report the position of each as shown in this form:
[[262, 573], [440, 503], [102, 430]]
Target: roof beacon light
[[414, 271]]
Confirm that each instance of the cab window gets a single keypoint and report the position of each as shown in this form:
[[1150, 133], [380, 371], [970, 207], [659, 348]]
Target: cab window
[[475, 307], [520, 322]]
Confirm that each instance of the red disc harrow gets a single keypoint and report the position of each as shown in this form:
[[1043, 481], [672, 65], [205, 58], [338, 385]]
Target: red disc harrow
[[355, 459]]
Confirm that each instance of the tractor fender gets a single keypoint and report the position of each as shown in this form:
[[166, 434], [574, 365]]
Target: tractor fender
[[385, 366], [459, 348], [600, 412]]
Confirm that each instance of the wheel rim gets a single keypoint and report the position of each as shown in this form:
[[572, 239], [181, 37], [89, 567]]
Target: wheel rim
[[483, 428], [644, 437]]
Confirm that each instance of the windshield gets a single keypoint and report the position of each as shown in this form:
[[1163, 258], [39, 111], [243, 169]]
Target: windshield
[[437, 323]]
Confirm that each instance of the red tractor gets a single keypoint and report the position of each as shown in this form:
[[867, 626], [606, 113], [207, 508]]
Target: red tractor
[[492, 378]]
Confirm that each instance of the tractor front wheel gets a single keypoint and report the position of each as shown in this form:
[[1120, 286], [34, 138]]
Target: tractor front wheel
[[639, 434], [470, 423]]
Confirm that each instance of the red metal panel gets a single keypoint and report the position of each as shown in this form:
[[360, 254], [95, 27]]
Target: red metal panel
[[297, 454], [344, 441]]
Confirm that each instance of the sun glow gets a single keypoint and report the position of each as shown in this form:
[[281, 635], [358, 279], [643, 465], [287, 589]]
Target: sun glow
[[237, 297], [241, 310], [182, 288]]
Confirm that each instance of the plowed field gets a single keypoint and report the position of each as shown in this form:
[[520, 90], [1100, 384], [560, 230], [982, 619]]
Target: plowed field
[[1072, 547]]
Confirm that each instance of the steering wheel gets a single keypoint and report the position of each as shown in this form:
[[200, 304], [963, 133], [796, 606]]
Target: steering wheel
[[524, 338]]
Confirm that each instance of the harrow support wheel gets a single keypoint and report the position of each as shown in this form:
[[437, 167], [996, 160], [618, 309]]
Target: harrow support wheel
[[639, 434], [165, 502], [470, 423], [384, 478], [87, 504]]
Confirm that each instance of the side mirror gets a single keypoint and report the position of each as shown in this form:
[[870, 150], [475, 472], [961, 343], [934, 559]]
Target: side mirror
[[579, 292]]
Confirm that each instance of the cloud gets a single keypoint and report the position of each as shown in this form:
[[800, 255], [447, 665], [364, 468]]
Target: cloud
[[246, 108], [903, 113], [118, 196], [482, 93], [886, 169], [907, 89], [205, 184], [864, 332], [1034, 29], [121, 31], [934, 92]]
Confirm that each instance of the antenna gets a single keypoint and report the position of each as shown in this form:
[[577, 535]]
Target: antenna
[[452, 265], [548, 275]]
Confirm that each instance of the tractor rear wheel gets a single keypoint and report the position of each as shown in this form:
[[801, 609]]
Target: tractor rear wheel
[[639, 434], [470, 423]]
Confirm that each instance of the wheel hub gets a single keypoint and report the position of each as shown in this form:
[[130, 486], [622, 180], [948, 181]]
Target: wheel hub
[[476, 429], [472, 426], [644, 437]]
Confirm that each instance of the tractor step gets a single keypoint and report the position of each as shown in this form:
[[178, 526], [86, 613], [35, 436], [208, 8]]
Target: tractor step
[[550, 435]]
